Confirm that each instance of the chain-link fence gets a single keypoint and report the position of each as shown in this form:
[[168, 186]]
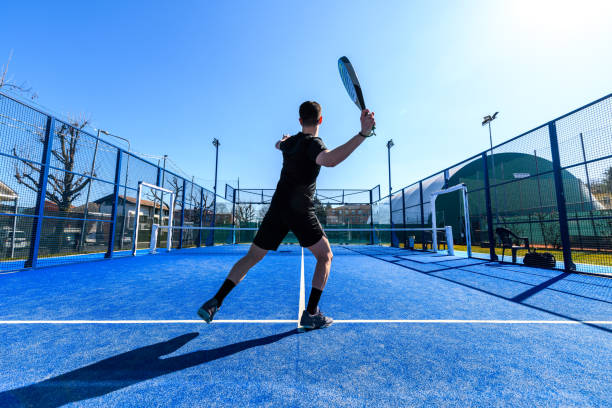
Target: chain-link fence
[[69, 196], [551, 186]]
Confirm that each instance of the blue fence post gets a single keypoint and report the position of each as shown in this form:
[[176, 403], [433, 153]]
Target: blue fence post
[[371, 219], [42, 193], [394, 240], [491, 233], [422, 214], [111, 239], [199, 242], [210, 237], [233, 216], [180, 245], [560, 193], [404, 237], [158, 178]]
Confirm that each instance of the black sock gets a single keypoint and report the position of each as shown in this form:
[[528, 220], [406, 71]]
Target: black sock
[[313, 300], [224, 290]]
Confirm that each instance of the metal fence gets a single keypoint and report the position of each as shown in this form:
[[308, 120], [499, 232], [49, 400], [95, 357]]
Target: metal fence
[[551, 185], [69, 196], [347, 208]]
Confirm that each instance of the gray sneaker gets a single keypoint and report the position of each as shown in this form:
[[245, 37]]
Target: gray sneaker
[[315, 321], [208, 310]]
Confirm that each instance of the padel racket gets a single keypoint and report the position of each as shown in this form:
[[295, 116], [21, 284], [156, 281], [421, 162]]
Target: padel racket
[[351, 83]]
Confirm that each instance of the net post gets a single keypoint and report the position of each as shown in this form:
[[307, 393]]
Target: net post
[[449, 240], [113, 228], [42, 193], [560, 194], [137, 219]]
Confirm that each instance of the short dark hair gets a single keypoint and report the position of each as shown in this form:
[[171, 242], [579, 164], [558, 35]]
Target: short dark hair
[[310, 112]]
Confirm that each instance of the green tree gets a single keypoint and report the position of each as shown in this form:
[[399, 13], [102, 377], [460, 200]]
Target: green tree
[[604, 186]]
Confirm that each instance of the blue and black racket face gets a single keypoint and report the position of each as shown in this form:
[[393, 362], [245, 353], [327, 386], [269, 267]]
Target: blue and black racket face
[[351, 83]]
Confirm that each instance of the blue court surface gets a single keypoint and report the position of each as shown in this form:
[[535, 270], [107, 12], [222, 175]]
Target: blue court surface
[[412, 329]]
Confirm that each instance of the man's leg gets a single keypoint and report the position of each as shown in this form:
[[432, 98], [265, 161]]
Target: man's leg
[[236, 274], [240, 268], [323, 254]]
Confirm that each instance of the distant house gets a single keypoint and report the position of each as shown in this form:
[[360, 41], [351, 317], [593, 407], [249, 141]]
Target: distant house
[[8, 199], [348, 214], [149, 210]]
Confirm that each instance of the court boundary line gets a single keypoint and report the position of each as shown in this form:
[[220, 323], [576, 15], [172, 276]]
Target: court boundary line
[[291, 321], [302, 302]]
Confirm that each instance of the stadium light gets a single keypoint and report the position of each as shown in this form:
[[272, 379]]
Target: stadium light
[[389, 146], [487, 121], [215, 143]]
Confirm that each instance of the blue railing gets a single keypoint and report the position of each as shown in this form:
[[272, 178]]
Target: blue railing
[[552, 185], [67, 195]]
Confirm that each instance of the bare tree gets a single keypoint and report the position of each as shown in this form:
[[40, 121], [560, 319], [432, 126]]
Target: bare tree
[[245, 213], [175, 185], [263, 210], [8, 83], [63, 187]]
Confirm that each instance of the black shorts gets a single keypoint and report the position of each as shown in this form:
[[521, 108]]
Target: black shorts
[[278, 222]]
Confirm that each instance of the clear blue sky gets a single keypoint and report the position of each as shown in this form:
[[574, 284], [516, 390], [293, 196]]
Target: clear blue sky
[[170, 76]]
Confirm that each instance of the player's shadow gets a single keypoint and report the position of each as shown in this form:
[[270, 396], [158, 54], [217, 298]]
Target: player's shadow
[[123, 370]]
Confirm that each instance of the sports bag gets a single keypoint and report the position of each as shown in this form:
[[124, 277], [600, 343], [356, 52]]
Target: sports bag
[[540, 259]]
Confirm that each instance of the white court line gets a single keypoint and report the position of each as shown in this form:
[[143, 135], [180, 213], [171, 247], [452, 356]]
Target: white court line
[[453, 321], [302, 303], [280, 321], [138, 321]]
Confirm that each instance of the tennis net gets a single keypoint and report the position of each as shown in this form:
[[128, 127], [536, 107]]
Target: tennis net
[[190, 236]]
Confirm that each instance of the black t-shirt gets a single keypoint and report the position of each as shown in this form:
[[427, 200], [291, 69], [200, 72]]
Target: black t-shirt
[[298, 179]]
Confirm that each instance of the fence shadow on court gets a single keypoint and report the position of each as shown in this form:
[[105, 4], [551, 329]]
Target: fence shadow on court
[[459, 275], [122, 371]]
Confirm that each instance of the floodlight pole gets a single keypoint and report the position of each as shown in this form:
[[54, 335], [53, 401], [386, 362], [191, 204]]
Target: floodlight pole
[[487, 121], [161, 201], [389, 146], [215, 143]]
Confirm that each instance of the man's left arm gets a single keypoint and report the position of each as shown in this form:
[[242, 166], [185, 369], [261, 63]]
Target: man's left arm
[[285, 137]]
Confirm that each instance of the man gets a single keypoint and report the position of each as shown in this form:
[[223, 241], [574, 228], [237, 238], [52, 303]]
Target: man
[[292, 208]]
